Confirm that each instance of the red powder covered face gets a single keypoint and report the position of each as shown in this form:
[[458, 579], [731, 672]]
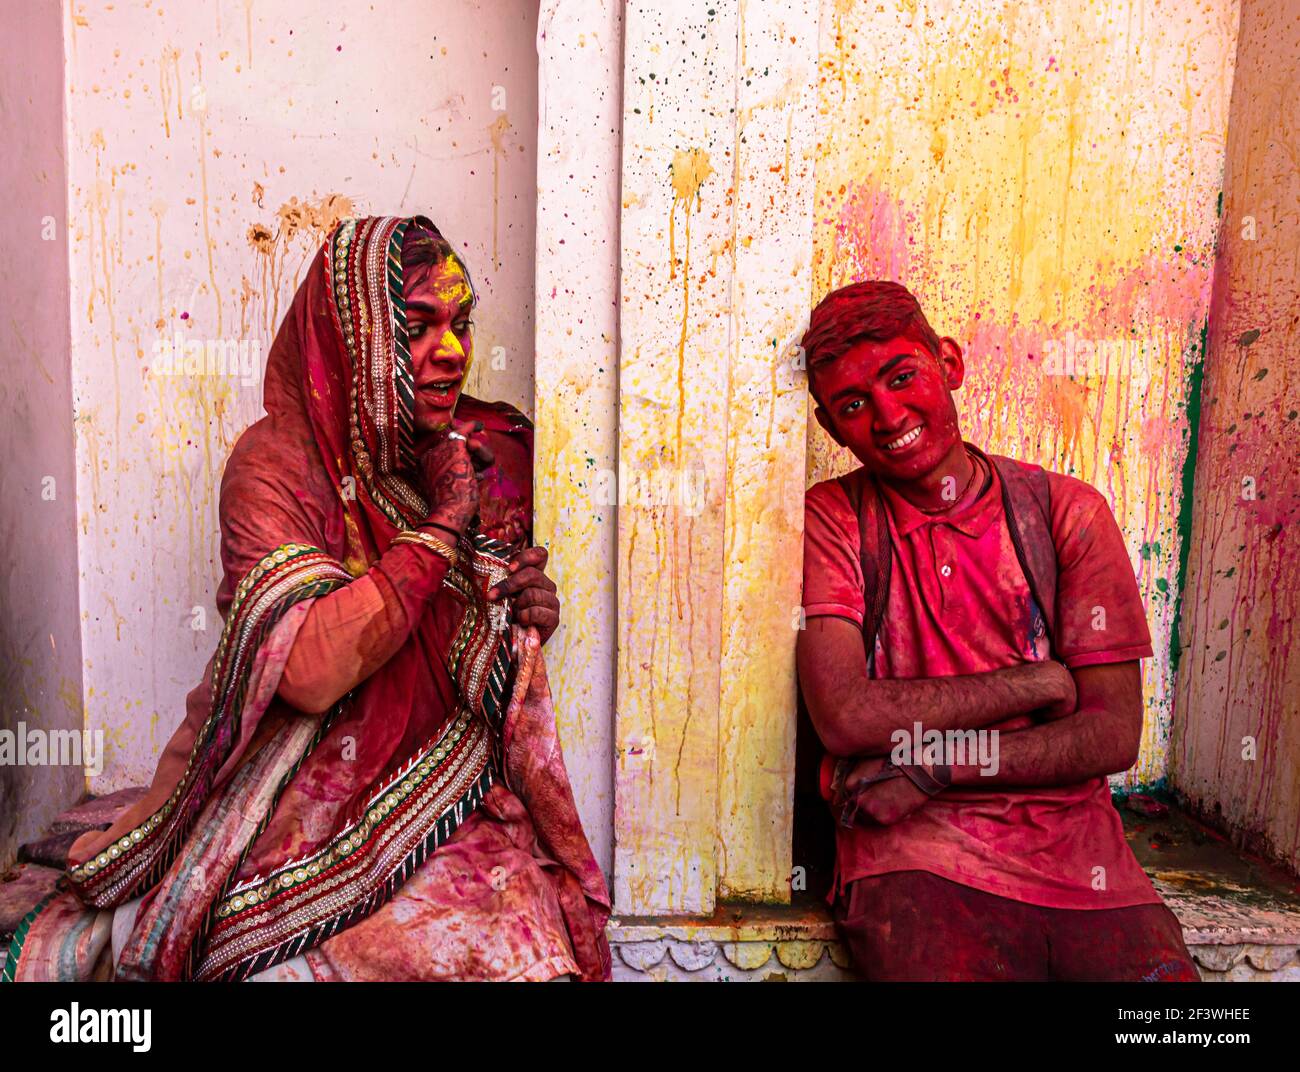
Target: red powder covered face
[[891, 404], [438, 304]]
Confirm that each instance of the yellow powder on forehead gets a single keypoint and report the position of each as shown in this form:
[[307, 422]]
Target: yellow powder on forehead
[[444, 282]]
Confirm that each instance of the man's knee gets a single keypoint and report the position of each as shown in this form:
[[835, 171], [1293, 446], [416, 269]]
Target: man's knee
[[1143, 943]]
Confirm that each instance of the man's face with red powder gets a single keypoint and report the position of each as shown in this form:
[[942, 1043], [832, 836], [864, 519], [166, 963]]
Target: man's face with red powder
[[891, 404], [439, 300]]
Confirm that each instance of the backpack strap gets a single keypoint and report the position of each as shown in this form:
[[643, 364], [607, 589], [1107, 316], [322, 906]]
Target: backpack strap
[[875, 555], [1027, 502]]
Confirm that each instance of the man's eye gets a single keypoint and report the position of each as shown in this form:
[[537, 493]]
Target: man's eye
[[901, 379], [852, 407], [462, 326], [415, 330]]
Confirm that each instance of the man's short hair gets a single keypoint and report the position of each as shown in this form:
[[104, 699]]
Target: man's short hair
[[875, 310]]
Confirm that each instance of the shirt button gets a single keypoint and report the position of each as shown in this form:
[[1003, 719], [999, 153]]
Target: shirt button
[[946, 571]]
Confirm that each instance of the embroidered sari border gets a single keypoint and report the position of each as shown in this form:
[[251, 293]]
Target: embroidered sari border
[[364, 880], [430, 762], [9, 972], [285, 576], [364, 263], [303, 904]]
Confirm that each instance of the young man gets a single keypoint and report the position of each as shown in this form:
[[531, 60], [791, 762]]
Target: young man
[[949, 591]]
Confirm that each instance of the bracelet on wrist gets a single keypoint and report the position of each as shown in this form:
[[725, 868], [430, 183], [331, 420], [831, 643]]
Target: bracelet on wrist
[[932, 781], [446, 550], [455, 536]]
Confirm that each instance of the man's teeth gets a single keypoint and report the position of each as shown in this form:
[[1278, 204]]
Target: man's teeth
[[904, 440]]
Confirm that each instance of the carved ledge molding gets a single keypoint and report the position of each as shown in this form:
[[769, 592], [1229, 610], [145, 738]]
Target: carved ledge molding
[[1234, 933], [792, 944], [751, 944], [1247, 963]]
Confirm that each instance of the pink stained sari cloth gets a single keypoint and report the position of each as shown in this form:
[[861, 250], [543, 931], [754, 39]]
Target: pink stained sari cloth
[[493, 903], [268, 832], [505, 898]]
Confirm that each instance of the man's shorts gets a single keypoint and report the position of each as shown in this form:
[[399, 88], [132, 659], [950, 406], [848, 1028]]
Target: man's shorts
[[911, 926]]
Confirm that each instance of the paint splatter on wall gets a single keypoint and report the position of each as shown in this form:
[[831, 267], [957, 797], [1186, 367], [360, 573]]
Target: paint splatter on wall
[[1236, 751], [716, 239], [579, 72], [40, 650], [208, 154], [1044, 178]]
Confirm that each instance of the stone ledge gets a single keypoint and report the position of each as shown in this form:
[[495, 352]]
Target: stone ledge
[[735, 944], [1240, 914], [1213, 920], [732, 923], [1240, 918], [799, 944]]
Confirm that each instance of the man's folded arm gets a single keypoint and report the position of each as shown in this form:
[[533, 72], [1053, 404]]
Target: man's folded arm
[[855, 715], [1103, 736]]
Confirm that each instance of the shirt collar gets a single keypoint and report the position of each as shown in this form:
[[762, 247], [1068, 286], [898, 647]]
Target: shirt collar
[[971, 516]]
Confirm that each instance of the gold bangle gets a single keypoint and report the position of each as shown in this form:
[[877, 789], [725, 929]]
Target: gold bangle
[[445, 549]]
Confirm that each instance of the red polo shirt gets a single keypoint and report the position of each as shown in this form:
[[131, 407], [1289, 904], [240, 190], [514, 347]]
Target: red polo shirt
[[959, 604]]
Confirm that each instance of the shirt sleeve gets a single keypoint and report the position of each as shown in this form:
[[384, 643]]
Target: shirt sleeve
[[832, 573], [1100, 614]]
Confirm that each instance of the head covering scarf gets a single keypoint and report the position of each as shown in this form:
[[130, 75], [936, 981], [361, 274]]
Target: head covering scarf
[[266, 831]]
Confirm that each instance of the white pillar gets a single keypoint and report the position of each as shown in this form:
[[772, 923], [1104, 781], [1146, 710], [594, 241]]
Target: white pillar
[[579, 46]]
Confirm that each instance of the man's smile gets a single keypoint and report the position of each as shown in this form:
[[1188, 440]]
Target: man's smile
[[905, 440]]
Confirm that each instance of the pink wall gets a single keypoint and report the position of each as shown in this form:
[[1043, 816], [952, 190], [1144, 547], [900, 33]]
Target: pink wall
[[1236, 747], [40, 645], [210, 148]]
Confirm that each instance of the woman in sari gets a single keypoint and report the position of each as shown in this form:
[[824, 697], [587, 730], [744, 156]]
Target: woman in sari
[[367, 783]]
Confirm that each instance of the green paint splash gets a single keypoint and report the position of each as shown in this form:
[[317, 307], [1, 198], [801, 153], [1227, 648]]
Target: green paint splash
[[1195, 389]]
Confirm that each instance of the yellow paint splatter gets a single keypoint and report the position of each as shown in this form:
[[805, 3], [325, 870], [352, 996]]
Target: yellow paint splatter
[[169, 85], [310, 220], [248, 28], [690, 169], [497, 132], [157, 208]]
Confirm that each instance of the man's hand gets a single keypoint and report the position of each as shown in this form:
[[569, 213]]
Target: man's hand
[[536, 602], [1068, 700], [856, 715], [885, 802]]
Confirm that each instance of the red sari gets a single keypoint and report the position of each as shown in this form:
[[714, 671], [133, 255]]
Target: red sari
[[424, 827]]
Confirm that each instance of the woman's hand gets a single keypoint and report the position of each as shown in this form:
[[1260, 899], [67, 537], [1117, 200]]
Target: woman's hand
[[450, 471], [536, 603]]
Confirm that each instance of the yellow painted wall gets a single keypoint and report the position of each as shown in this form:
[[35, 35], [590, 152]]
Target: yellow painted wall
[[1236, 751], [1044, 177], [716, 260]]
